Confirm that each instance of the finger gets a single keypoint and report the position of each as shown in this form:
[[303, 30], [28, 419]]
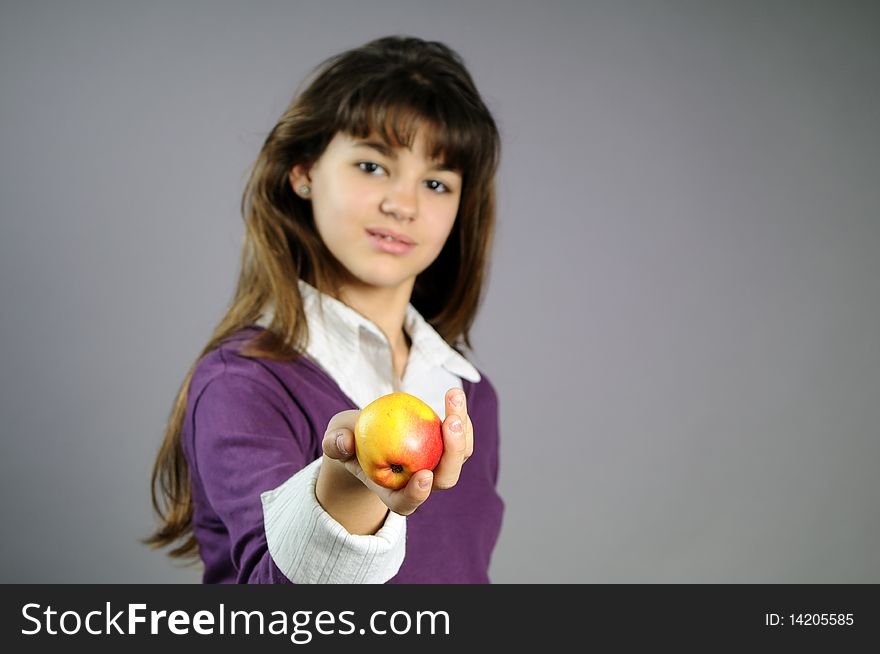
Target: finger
[[338, 442], [410, 497], [454, 447], [403, 501], [469, 439], [456, 402]]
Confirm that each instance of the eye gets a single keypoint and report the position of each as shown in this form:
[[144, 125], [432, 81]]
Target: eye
[[372, 168], [369, 167], [444, 189]]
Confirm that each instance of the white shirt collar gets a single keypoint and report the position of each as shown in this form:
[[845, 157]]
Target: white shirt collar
[[339, 336]]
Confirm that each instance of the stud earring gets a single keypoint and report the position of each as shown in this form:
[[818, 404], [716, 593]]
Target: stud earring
[[305, 190]]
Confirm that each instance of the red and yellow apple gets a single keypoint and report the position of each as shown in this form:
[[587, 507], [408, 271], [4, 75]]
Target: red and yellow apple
[[395, 436]]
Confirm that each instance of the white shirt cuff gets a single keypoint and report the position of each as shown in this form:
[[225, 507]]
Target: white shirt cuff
[[310, 547]]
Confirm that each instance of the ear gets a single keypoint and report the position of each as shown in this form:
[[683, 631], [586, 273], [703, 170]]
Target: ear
[[299, 176]]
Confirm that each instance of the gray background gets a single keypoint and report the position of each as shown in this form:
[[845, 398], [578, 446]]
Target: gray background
[[684, 305]]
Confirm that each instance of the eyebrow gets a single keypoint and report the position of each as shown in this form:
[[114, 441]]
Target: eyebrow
[[385, 150]]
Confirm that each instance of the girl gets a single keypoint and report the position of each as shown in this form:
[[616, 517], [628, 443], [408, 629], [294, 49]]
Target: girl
[[369, 218]]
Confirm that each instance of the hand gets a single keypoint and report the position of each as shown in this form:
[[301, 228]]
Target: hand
[[458, 446]]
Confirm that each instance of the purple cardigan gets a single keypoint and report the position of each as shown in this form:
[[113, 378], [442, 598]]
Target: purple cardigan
[[256, 422]]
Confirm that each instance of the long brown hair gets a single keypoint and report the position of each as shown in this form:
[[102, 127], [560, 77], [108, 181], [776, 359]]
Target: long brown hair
[[390, 86]]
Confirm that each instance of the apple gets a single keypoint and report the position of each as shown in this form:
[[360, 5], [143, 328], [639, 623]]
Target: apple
[[395, 436]]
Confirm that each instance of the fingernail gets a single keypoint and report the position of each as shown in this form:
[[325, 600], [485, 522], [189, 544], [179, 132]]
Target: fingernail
[[455, 425], [424, 483], [340, 437], [458, 400]]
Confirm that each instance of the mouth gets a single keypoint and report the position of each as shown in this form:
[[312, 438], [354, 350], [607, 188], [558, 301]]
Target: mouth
[[390, 236], [388, 244]]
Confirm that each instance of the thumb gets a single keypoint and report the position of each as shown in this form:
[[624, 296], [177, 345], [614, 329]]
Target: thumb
[[339, 444]]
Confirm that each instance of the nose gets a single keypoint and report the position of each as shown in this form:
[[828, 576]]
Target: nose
[[400, 202]]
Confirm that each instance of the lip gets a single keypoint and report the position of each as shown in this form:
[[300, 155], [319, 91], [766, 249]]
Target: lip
[[389, 247], [388, 232]]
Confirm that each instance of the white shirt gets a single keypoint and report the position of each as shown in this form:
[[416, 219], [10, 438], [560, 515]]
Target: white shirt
[[305, 542]]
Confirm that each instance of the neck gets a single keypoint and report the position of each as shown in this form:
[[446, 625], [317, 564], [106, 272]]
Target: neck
[[385, 306]]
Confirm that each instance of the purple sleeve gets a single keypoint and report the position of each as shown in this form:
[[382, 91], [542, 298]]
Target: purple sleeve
[[244, 443]]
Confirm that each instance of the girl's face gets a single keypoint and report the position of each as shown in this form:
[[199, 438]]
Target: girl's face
[[360, 187]]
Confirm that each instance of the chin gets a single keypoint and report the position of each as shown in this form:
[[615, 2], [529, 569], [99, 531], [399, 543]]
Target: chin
[[383, 281], [380, 276]]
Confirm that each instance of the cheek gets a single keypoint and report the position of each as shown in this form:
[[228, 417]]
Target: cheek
[[338, 211], [447, 221], [441, 234]]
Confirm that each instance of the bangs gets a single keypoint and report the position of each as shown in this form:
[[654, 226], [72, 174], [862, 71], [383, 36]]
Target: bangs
[[402, 107]]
